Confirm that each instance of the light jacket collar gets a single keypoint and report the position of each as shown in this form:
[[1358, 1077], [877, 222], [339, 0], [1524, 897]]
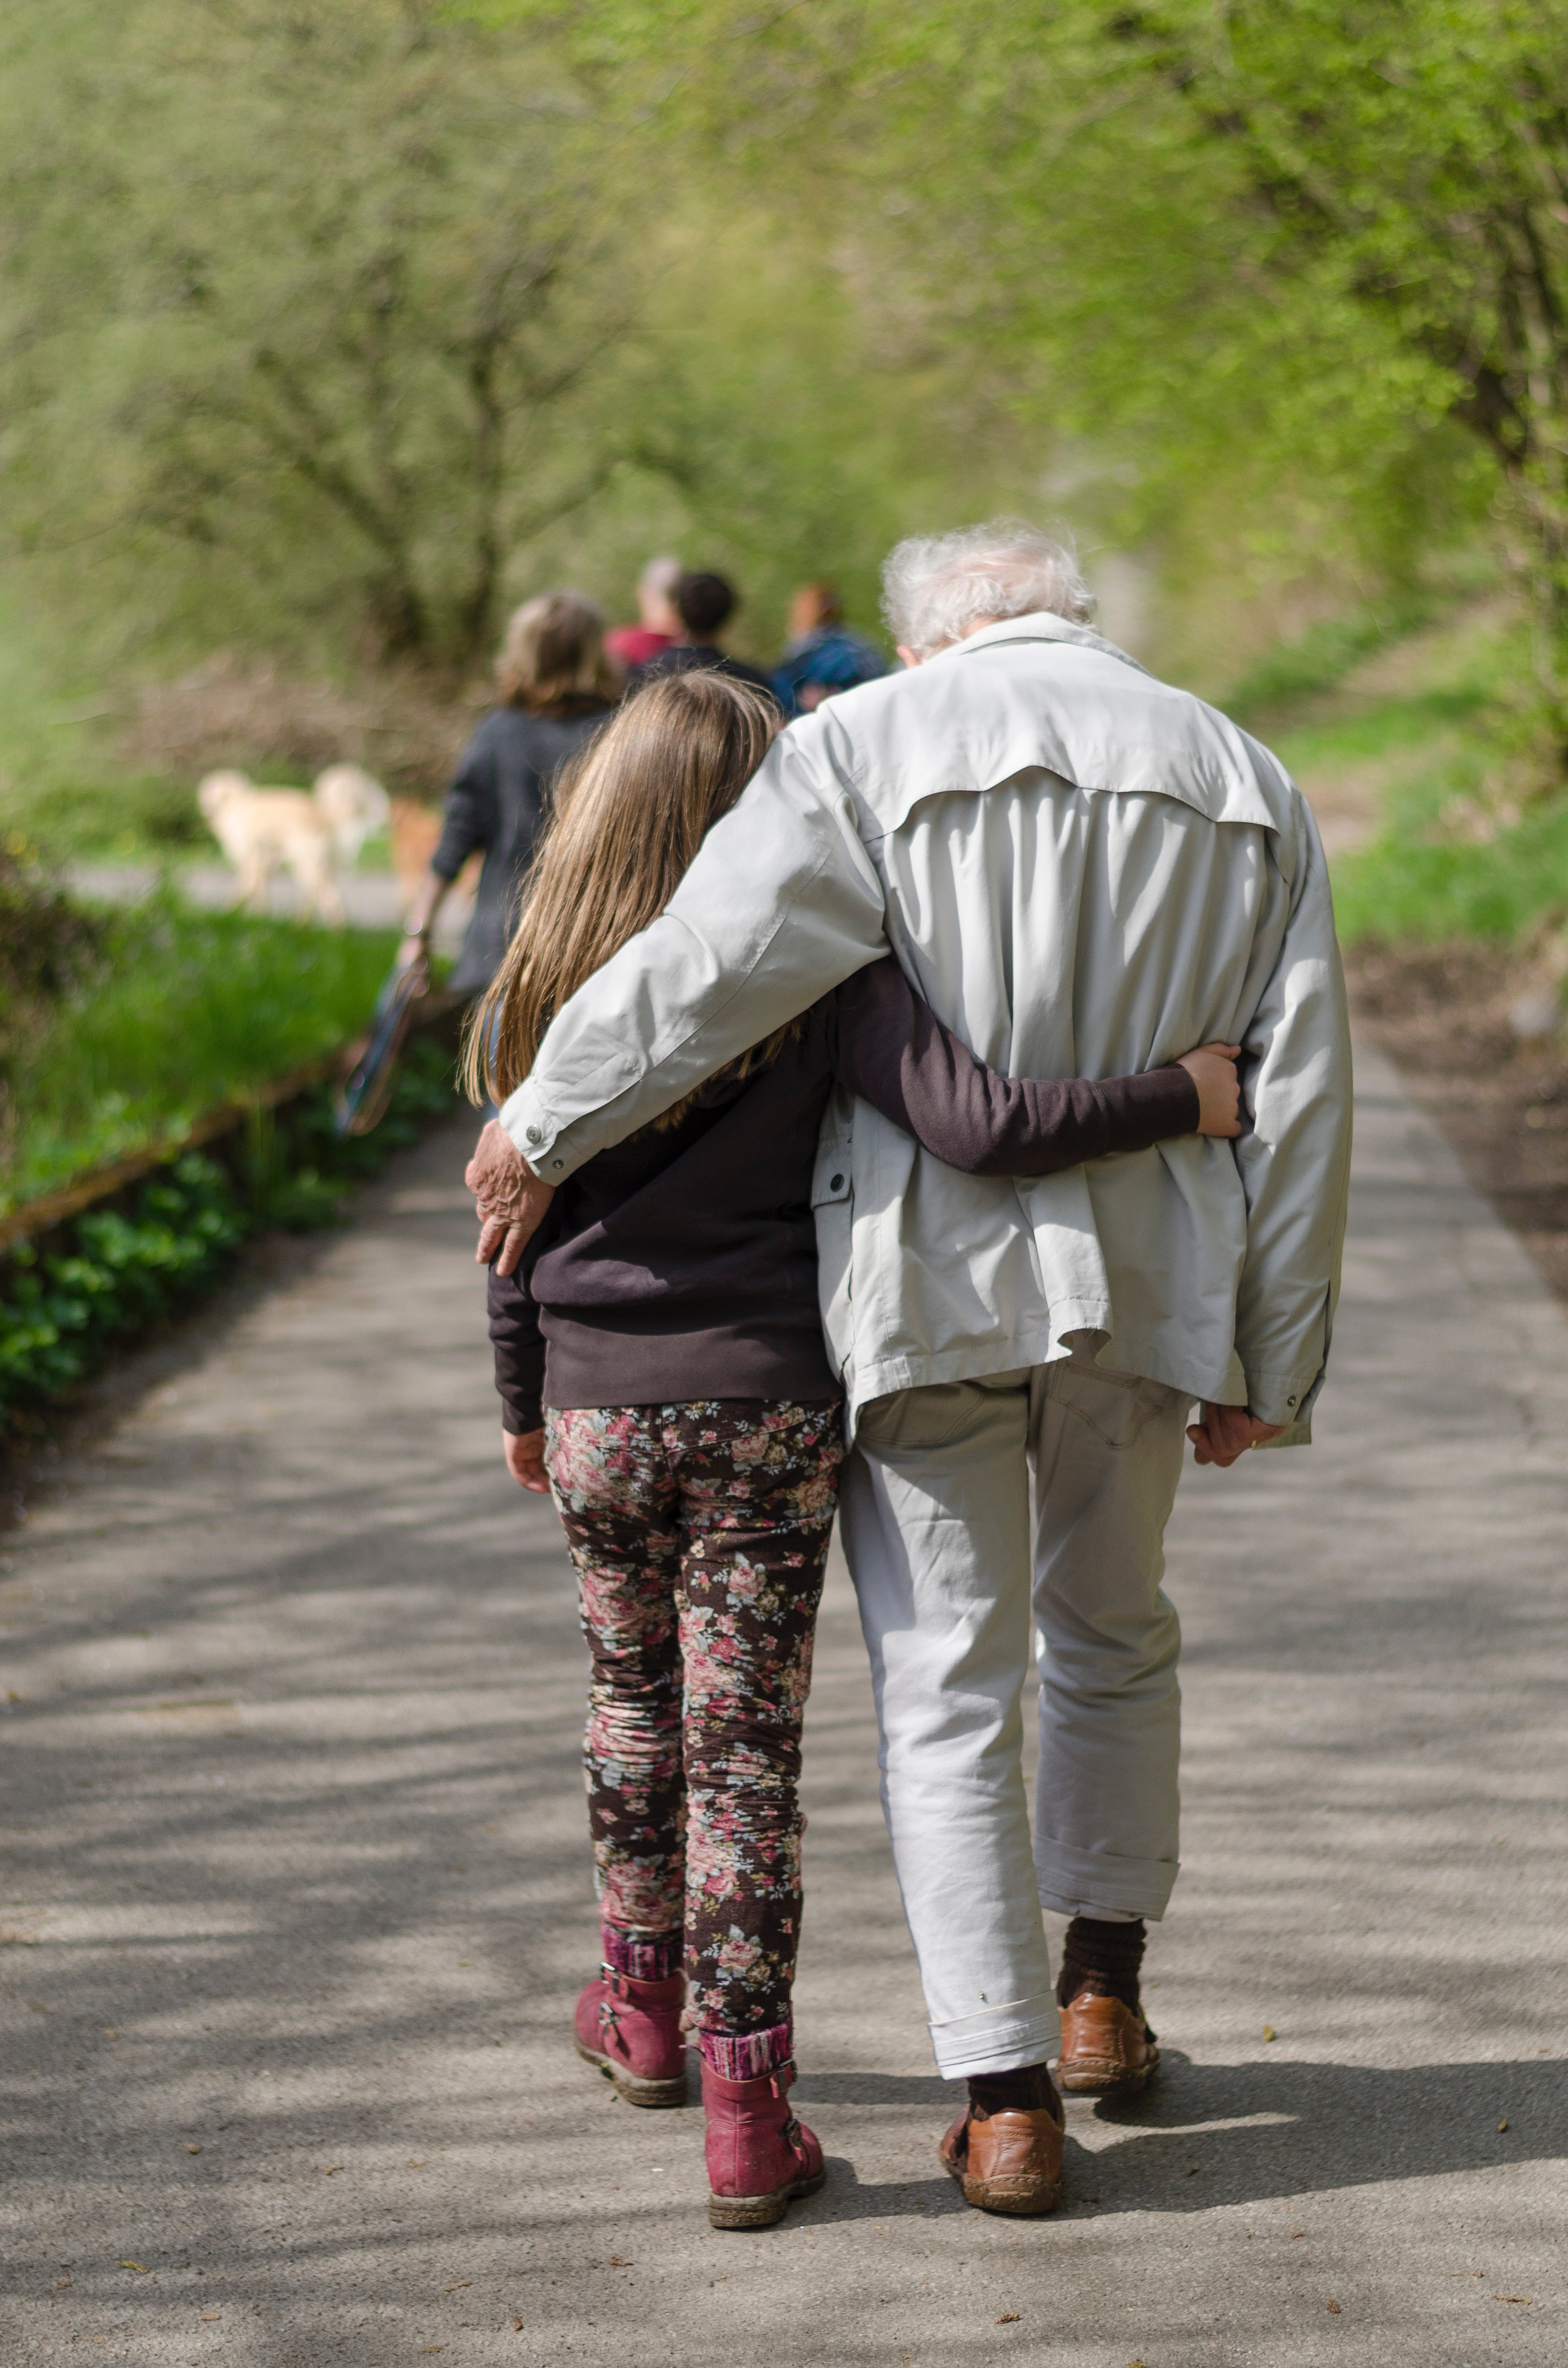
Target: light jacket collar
[[1037, 693], [1040, 625]]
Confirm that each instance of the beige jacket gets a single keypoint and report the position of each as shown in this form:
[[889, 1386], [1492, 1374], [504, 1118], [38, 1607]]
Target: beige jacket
[[1086, 872]]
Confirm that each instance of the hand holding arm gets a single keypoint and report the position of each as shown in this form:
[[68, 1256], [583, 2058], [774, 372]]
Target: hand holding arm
[[1212, 1068]]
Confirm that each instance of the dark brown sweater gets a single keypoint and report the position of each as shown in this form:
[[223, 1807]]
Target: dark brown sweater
[[682, 1263]]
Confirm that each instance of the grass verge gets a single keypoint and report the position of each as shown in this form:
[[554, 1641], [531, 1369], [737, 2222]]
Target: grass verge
[[183, 1010]]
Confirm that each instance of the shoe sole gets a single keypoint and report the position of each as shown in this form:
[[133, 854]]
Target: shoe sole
[[761, 2211], [656, 2095], [1020, 2199], [1098, 2076]]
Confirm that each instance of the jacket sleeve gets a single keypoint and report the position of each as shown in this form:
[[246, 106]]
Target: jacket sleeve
[[1295, 1155], [469, 818], [781, 903], [518, 1344], [891, 1049]]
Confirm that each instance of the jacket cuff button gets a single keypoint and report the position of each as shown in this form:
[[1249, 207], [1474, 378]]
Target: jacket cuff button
[[835, 1184]]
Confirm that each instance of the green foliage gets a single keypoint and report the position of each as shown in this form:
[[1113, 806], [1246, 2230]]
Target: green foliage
[[110, 813], [110, 1275], [1411, 885], [63, 1311], [1299, 267], [375, 316], [328, 295], [189, 1009], [47, 948], [1319, 659]]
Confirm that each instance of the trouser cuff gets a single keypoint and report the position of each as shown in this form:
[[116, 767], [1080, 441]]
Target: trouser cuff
[[997, 2039], [1081, 1882]]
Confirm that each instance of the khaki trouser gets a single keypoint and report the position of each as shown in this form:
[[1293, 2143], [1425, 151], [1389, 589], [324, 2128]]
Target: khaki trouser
[[935, 1524]]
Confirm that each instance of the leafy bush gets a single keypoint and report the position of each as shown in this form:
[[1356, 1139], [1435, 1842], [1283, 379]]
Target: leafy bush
[[105, 1278]]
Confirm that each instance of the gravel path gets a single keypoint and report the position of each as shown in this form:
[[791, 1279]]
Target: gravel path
[[297, 1899]]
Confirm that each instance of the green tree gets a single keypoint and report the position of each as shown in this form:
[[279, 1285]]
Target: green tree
[[323, 296], [1299, 250]]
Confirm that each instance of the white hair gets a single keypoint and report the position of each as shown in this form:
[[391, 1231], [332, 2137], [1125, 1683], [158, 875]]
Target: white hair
[[938, 587]]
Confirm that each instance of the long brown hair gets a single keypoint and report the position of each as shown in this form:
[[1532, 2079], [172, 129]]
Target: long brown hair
[[629, 814], [552, 660]]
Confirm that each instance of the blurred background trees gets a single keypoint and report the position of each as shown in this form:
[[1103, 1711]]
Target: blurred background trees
[[325, 332]]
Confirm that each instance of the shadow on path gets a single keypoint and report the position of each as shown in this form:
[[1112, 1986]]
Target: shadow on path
[[1224, 2134]]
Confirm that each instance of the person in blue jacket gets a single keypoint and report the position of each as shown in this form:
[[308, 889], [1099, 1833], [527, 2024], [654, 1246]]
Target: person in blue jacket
[[823, 656]]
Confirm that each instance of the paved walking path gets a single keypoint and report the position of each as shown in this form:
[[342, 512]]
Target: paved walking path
[[300, 1900], [372, 900]]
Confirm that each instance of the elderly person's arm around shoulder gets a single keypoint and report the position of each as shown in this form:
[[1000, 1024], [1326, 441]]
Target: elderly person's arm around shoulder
[[780, 903]]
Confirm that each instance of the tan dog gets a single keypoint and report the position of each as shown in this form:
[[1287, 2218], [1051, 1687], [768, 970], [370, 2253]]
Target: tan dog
[[262, 831]]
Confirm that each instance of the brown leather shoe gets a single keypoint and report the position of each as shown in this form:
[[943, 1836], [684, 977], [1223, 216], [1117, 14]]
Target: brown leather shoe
[[1107, 2050], [1007, 2162]]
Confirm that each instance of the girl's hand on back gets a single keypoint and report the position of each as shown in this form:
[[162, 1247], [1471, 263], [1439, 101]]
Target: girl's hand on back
[[1212, 1068]]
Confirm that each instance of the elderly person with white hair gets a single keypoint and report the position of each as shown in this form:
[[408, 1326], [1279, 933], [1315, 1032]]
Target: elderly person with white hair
[[1083, 870]]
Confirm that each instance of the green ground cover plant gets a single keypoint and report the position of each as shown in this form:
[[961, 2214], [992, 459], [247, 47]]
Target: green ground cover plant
[[183, 1010], [101, 1281]]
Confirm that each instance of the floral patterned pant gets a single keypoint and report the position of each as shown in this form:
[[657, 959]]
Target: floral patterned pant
[[699, 1534]]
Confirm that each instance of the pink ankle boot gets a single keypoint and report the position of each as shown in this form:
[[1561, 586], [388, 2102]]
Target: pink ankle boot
[[630, 2030], [759, 2156]]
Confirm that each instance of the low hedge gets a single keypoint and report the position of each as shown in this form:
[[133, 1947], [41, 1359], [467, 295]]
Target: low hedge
[[100, 1280]]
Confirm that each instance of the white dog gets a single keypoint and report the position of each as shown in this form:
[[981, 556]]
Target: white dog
[[355, 804], [262, 831]]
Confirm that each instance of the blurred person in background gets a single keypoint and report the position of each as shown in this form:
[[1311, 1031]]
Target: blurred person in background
[[556, 686], [822, 656], [704, 604], [658, 625]]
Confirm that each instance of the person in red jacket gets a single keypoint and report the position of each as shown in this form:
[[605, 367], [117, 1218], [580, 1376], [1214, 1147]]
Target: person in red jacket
[[658, 625]]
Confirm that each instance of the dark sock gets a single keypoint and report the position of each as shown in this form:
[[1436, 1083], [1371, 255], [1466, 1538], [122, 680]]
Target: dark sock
[[1103, 1959], [1025, 2090]]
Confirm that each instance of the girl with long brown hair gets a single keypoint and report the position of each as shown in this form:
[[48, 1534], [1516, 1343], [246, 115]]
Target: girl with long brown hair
[[662, 1367]]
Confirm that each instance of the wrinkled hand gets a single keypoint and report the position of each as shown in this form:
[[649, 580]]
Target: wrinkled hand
[[509, 1199], [1212, 1068], [1227, 1431], [524, 1452]]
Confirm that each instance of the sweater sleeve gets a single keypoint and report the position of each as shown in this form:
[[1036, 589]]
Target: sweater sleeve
[[893, 1050], [519, 1351], [469, 820]]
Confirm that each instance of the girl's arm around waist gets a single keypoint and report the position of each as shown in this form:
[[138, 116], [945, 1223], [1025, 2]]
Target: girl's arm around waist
[[891, 1048]]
